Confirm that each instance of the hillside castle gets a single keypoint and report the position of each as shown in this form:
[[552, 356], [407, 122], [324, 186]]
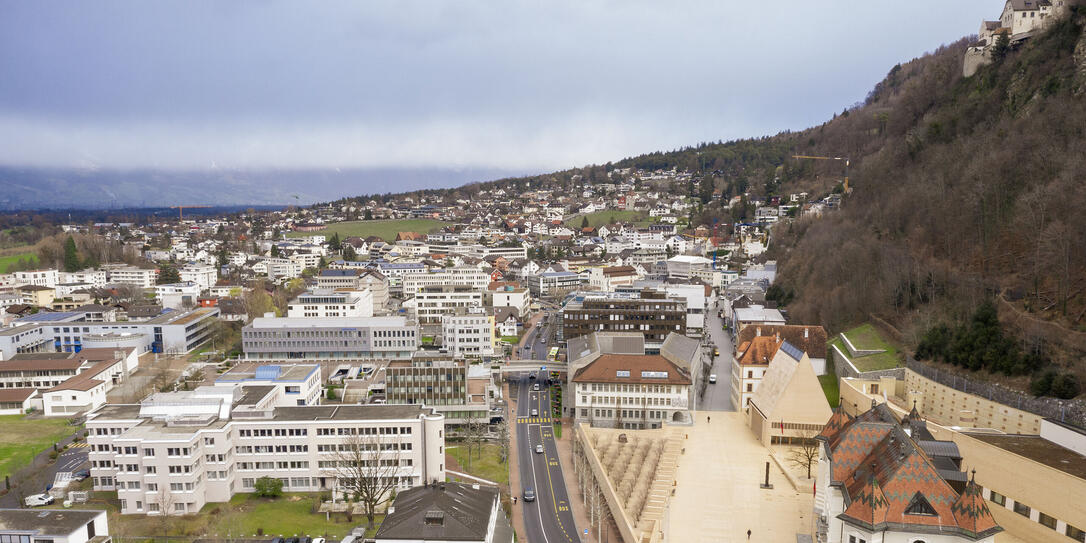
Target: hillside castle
[[1020, 20]]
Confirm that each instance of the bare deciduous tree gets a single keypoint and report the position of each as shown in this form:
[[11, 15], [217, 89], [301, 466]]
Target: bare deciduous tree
[[368, 468], [804, 452], [474, 432]]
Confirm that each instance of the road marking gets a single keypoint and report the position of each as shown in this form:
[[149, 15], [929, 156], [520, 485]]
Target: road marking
[[550, 483], [78, 445]]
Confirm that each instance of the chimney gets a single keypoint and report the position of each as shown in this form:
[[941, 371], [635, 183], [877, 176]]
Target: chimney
[[806, 332], [758, 331]]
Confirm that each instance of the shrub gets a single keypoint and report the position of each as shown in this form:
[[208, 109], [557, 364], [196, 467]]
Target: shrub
[[1042, 385], [1065, 386], [268, 487]]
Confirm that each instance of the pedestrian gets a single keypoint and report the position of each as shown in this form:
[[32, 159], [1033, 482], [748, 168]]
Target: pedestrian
[[707, 419], [748, 535], [515, 502]]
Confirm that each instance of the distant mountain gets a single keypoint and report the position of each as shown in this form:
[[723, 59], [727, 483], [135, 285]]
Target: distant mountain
[[24, 188]]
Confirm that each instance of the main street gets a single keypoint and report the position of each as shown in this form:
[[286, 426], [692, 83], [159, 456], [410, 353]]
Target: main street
[[548, 519], [535, 349], [718, 395]]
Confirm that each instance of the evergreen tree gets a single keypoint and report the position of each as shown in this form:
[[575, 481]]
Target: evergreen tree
[[584, 222], [349, 252], [368, 216], [71, 256], [168, 274], [1001, 47]]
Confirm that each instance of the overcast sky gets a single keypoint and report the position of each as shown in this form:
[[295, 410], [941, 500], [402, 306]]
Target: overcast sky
[[460, 84]]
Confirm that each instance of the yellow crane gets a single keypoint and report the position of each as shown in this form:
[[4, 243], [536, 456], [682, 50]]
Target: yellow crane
[[844, 158], [181, 210]]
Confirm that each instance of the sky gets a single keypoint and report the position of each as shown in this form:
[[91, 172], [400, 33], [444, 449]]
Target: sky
[[504, 85]]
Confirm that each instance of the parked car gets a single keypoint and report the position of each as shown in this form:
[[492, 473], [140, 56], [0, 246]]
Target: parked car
[[716, 352], [278, 540], [318, 540], [81, 475], [712, 378], [535, 412], [529, 494], [539, 449], [535, 386], [38, 500]]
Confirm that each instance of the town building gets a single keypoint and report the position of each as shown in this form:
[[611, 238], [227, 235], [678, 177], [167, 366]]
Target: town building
[[300, 384], [454, 388], [612, 277], [321, 303], [468, 333], [446, 511], [550, 284], [631, 391], [53, 526], [649, 312], [877, 482], [789, 404], [178, 295], [285, 338], [204, 275], [40, 278], [131, 275], [175, 452], [431, 303], [509, 295], [65, 384], [473, 278]]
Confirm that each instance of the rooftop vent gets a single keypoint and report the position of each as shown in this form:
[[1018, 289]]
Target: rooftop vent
[[435, 518]]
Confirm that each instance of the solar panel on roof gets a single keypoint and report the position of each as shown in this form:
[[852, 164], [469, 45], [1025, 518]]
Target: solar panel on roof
[[792, 350], [267, 372]]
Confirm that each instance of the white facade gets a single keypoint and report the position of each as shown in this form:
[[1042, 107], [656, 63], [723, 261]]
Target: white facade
[[97, 278], [519, 298], [178, 295], [468, 335], [56, 526], [130, 275], [328, 303], [179, 451], [40, 278], [433, 303], [475, 278], [203, 275]]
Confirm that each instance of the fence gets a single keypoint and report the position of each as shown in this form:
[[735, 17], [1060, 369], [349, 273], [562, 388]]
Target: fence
[[1067, 411]]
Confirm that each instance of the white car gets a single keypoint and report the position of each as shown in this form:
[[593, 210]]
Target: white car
[[712, 378], [539, 449], [38, 500]]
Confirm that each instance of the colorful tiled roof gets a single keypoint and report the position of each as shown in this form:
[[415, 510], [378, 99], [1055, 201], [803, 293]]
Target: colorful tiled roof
[[889, 483]]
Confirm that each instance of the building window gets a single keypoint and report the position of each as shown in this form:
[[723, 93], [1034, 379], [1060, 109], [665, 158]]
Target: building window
[[1022, 509], [999, 498], [1075, 533], [1046, 520]]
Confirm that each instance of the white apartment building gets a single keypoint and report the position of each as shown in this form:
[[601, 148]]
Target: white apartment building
[[178, 295], [203, 275], [38, 278], [306, 260], [278, 269], [477, 279], [96, 278], [509, 296], [299, 384], [321, 303], [470, 334], [175, 452], [285, 338], [131, 275], [432, 303]]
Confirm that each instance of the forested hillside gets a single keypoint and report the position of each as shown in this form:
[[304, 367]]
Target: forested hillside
[[967, 189]]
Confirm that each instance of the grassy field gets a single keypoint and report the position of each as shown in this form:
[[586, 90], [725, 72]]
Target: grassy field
[[865, 337], [23, 439], [830, 387], [486, 465], [7, 261], [600, 218], [245, 515], [385, 230]]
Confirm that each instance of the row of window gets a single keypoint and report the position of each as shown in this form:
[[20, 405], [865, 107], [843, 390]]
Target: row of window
[[249, 466], [628, 387], [263, 449], [619, 400], [626, 413], [1047, 521]]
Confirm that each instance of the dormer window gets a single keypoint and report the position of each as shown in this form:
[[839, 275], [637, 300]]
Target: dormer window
[[920, 506], [435, 518]]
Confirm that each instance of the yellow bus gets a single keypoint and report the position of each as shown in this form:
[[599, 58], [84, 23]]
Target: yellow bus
[[552, 356]]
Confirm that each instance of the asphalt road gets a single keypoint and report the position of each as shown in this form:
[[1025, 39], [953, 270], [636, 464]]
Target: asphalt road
[[718, 397], [537, 350], [548, 519]]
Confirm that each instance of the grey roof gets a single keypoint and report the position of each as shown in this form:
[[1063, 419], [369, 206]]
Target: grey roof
[[350, 412], [940, 448], [46, 522], [441, 511], [680, 350]]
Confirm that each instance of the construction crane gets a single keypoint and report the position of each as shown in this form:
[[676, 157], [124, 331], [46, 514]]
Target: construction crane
[[844, 158], [181, 210]]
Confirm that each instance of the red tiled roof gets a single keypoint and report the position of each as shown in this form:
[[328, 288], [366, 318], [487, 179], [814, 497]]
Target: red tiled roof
[[972, 511], [15, 394], [605, 370], [810, 339], [758, 351]]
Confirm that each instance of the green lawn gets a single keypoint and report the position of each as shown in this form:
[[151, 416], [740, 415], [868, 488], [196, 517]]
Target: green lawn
[[866, 337], [385, 229], [485, 465], [7, 261], [23, 439], [872, 362], [830, 387], [600, 218]]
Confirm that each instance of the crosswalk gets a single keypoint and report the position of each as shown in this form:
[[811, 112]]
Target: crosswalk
[[79, 445], [534, 420]]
